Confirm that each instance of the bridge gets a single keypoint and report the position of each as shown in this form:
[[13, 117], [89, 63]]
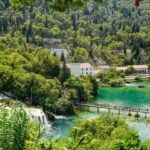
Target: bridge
[[112, 107]]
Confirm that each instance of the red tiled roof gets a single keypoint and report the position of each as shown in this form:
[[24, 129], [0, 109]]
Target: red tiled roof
[[140, 66], [96, 71], [103, 67], [134, 66], [82, 65], [121, 68]]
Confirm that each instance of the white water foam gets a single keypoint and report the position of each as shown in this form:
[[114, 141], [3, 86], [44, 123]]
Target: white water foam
[[35, 113], [2, 96], [60, 117]]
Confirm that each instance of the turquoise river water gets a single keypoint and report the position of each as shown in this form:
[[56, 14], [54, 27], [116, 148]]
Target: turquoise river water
[[130, 95]]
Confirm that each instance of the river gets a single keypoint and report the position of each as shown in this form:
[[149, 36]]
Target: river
[[130, 95]]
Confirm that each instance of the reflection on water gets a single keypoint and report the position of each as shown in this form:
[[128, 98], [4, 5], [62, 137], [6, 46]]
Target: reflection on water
[[130, 95]]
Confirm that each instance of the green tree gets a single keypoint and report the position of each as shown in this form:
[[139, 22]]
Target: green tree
[[94, 83], [64, 105], [131, 141], [62, 57], [56, 5], [64, 73], [27, 35], [80, 55], [129, 70]]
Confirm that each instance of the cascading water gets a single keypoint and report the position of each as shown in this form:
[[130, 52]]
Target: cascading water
[[35, 113], [2, 96]]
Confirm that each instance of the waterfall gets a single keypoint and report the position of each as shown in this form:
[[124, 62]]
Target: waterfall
[[2, 96], [35, 113]]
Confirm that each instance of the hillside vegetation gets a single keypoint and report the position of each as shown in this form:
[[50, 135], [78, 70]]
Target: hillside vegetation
[[115, 32]]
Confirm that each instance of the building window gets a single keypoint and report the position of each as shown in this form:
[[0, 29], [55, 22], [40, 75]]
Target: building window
[[86, 69], [82, 69]]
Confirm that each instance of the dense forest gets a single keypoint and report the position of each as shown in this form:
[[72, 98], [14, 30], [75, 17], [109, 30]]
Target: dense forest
[[115, 32]]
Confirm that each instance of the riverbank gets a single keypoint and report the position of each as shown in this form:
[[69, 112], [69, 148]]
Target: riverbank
[[61, 126], [123, 82], [130, 95]]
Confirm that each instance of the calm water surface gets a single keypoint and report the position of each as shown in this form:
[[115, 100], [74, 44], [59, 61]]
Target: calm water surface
[[130, 95]]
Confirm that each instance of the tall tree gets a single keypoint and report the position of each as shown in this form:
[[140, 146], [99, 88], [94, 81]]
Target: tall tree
[[27, 35], [64, 74], [62, 57], [46, 22], [30, 28]]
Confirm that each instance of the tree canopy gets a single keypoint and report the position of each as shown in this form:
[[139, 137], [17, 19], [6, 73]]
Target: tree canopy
[[59, 5]]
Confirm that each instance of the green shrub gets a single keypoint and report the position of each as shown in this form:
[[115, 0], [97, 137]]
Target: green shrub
[[64, 106], [129, 70], [137, 78], [103, 132], [137, 115], [14, 129], [117, 83], [100, 75], [141, 86], [106, 80], [122, 75], [129, 114]]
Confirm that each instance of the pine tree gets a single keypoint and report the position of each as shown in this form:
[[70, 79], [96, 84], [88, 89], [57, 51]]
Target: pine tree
[[62, 57], [12, 33], [30, 29], [74, 22], [27, 35], [55, 54], [135, 50], [135, 28], [131, 61], [5, 25], [125, 51], [46, 22], [0, 26], [64, 74]]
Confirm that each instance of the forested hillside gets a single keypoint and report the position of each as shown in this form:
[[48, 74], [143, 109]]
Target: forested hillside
[[115, 32]]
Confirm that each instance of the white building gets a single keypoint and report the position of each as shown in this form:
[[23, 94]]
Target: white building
[[80, 68], [138, 69], [59, 52], [141, 69], [103, 69]]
